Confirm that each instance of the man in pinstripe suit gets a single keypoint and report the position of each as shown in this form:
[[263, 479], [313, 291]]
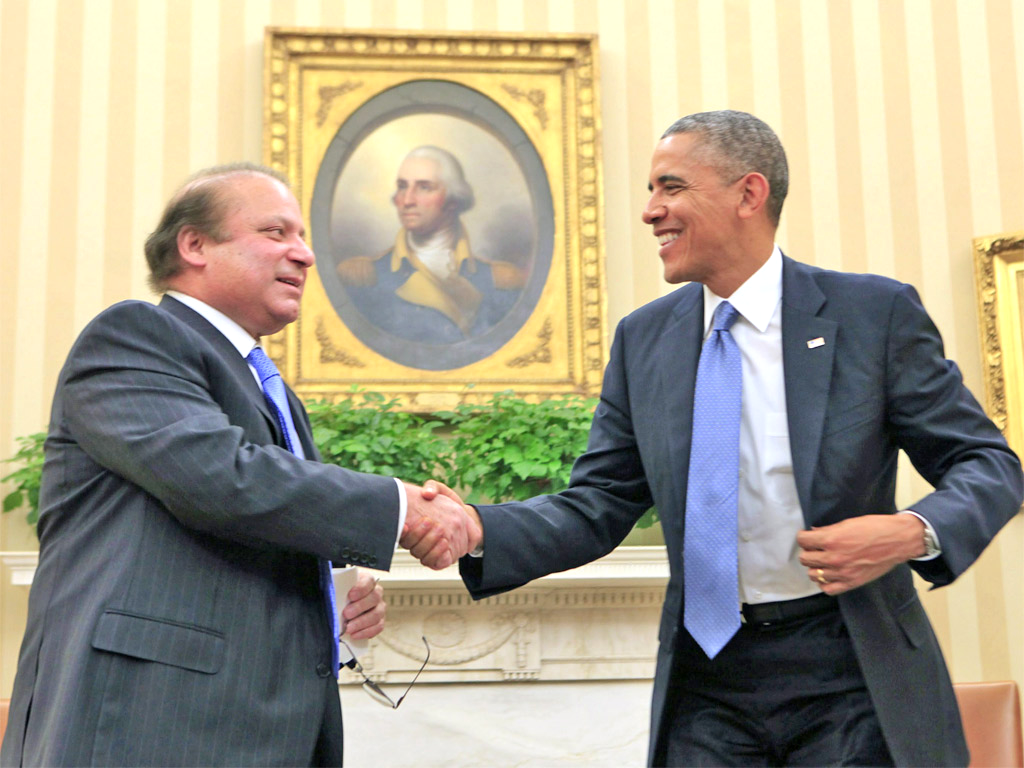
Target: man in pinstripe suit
[[177, 616]]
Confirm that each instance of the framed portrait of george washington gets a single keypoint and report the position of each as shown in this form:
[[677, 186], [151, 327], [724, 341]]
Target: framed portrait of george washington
[[451, 188], [999, 280]]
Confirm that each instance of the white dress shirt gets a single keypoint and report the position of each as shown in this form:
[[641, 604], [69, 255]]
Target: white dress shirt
[[244, 343], [769, 510]]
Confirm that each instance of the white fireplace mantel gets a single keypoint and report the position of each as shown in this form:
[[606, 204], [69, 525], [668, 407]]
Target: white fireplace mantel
[[596, 622]]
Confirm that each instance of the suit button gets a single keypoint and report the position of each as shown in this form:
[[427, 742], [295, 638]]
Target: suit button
[[344, 554], [373, 562], [323, 670]]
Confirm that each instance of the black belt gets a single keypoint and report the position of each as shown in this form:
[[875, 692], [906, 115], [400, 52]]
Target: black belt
[[766, 614]]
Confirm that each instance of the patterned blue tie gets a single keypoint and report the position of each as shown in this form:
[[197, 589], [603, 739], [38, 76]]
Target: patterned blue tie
[[711, 608], [277, 397]]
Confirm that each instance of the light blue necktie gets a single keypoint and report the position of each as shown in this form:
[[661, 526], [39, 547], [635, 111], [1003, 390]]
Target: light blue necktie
[[711, 609], [277, 397]]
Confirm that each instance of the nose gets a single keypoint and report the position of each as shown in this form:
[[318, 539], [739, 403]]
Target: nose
[[653, 212], [404, 198], [302, 254]]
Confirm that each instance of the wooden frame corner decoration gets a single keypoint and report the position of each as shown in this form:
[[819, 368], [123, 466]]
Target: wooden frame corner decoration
[[451, 185], [999, 282]]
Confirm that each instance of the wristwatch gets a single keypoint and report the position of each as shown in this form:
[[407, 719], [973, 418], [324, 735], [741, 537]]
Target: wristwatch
[[931, 543]]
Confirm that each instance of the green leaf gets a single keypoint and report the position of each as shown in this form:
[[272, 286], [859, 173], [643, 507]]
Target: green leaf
[[26, 479], [12, 501]]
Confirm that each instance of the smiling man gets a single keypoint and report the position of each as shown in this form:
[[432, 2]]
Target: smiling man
[[761, 408], [182, 611]]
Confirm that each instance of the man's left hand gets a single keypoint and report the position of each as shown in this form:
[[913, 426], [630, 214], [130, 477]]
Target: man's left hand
[[852, 552], [364, 614]]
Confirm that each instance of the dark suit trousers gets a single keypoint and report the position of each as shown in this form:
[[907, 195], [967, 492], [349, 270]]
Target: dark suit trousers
[[790, 693], [329, 751]]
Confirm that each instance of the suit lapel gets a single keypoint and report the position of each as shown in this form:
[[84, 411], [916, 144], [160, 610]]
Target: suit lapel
[[239, 368], [808, 355], [301, 425], [676, 353]]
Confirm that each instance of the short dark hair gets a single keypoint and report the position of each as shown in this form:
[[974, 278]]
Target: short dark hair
[[739, 143], [199, 203]]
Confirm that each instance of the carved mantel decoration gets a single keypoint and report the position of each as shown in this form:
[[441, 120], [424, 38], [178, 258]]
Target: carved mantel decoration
[[596, 622], [999, 281]]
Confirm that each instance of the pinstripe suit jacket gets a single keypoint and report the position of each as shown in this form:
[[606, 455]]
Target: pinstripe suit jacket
[[176, 616], [880, 383]]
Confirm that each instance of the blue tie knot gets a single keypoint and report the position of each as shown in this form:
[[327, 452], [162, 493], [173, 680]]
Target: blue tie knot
[[725, 316], [277, 397], [264, 366]]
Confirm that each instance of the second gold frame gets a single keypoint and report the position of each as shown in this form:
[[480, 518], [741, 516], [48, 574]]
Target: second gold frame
[[999, 279]]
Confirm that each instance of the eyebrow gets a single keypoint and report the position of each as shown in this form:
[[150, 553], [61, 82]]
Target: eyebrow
[[416, 180]]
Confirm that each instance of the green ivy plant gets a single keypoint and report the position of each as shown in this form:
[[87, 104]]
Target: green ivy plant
[[26, 478], [514, 449], [505, 449], [368, 433]]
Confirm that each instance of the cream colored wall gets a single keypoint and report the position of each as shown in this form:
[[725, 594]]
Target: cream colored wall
[[902, 119]]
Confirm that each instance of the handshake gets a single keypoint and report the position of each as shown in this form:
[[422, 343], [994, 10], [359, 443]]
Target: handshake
[[439, 527]]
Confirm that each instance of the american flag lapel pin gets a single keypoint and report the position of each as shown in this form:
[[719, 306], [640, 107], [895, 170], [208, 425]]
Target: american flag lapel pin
[[815, 343]]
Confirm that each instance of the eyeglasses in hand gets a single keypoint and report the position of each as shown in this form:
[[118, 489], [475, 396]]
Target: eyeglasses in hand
[[373, 690]]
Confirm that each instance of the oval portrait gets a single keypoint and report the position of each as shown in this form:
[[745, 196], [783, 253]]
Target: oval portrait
[[433, 225]]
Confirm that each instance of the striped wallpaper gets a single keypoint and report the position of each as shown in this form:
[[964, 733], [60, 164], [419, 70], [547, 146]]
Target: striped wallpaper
[[903, 119]]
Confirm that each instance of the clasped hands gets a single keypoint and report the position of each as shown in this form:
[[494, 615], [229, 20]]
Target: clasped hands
[[439, 528]]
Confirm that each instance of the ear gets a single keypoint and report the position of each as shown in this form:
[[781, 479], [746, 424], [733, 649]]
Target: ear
[[755, 189], [192, 246]]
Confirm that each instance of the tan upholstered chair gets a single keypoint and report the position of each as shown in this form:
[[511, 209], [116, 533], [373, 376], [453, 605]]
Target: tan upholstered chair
[[992, 723]]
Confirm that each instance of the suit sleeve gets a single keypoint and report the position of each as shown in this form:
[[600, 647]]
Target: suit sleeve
[[145, 397], [950, 441], [607, 494]]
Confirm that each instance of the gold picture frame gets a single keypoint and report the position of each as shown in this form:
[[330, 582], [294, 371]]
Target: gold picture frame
[[520, 115], [999, 280]]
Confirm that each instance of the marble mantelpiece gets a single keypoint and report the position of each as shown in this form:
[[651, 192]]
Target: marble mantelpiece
[[596, 622]]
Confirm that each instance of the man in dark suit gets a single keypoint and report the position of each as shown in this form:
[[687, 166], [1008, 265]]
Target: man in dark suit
[[179, 615], [828, 657]]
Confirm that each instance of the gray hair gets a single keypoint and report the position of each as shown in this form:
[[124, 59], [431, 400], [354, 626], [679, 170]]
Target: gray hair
[[737, 143], [199, 204], [458, 193]]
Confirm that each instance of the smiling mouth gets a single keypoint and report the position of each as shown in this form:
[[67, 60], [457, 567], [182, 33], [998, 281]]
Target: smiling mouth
[[667, 238]]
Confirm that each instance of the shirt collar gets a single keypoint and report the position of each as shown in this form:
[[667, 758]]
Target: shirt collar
[[233, 332], [756, 299]]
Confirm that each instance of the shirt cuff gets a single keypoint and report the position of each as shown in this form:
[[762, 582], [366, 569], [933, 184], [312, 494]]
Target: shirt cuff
[[478, 551], [402, 508], [934, 535]]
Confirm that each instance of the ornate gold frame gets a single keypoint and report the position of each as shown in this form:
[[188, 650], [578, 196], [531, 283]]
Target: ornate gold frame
[[999, 280], [316, 80]]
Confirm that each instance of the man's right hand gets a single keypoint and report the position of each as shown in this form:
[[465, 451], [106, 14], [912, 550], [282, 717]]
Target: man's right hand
[[439, 528]]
